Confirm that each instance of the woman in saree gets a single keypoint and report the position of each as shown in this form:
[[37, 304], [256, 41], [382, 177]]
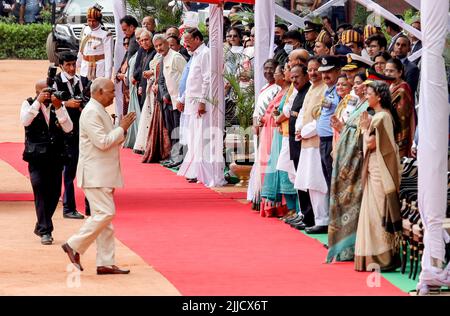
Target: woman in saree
[[343, 89], [147, 110], [276, 183], [158, 139], [265, 97], [346, 187], [380, 223], [403, 102]]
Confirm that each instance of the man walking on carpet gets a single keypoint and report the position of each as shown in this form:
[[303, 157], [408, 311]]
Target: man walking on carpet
[[99, 174]]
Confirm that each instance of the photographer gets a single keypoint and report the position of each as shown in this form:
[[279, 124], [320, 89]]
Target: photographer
[[68, 81], [46, 121]]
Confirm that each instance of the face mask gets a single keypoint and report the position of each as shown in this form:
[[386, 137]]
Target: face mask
[[288, 48], [69, 77]]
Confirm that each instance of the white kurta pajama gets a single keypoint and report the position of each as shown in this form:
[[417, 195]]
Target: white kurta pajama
[[197, 91], [309, 176]]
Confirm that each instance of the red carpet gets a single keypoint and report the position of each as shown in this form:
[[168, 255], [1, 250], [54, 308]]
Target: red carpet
[[16, 197], [208, 244], [234, 195]]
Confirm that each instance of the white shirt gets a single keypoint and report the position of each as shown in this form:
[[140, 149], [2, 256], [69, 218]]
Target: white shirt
[[29, 112], [98, 43], [174, 64], [198, 81], [76, 81]]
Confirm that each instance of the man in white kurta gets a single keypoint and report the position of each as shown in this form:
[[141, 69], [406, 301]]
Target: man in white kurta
[[99, 173], [95, 57], [196, 104], [309, 175]]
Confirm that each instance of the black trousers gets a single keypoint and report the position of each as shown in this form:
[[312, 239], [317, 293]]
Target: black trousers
[[69, 174], [326, 146], [46, 178], [172, 121], [303, 197]]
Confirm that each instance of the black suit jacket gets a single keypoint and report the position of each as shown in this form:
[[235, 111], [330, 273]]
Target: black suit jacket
[[416, 48], [163, 92], [184, 52], [294, 146], [133, 47], [412, 74]]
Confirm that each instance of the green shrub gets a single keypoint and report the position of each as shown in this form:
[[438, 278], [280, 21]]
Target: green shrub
[[23, 41]]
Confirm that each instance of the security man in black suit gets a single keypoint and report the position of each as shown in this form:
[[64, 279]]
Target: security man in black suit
[[46, 121], [68, 81]]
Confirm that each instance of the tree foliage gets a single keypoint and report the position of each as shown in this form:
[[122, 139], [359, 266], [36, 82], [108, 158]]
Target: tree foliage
[[159, 9], [23, 41]]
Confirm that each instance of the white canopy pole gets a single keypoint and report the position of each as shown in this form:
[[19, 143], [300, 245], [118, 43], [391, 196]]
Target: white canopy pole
[[289, 16], [416, 5], [119, 53], [432, 155], [213, 175], [264, 39]]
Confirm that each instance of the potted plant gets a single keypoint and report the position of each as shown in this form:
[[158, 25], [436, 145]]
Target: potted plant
[[244, 100]]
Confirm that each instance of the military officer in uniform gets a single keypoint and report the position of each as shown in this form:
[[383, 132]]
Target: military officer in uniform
[[311, 31], [95, 56]]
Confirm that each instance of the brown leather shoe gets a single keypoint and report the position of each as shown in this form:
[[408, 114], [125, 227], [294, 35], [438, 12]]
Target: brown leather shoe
[[74, 257], [111, 270]]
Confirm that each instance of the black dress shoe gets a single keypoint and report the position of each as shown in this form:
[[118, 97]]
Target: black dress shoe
[[291, 219], [173, 164], [317, 230], [46, 239], [166, 161], [299, 226], [73, 215]]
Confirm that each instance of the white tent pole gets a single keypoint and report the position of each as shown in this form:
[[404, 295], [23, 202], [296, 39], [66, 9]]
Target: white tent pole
[[264, 38], [119, 53], [289, 16], [215, 174], [432, 155]]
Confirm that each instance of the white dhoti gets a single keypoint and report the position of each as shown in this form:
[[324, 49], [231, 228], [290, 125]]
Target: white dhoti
[[198, 150], [98, 227]]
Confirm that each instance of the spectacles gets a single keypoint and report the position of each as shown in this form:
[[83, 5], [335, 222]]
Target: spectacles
[[232, 36]]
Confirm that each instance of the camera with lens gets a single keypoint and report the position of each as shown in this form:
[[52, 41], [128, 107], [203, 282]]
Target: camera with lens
[[60, 95], [85, 96]]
